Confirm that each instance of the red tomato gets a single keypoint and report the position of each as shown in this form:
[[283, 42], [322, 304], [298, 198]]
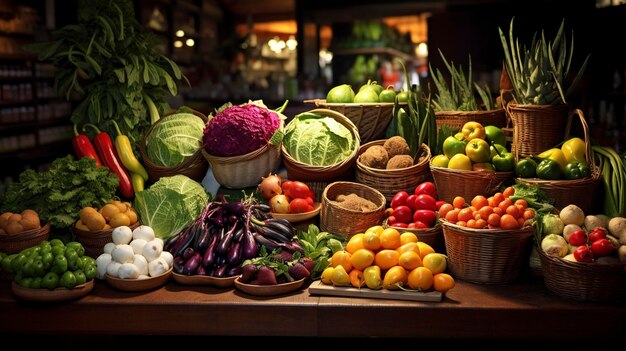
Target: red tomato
[[298, 205], [298, 190], [309, 200], [440, 203], [601, 247], [596, 234], [400, 225], [418, 225], [286, 185], [410, 201], [427, 188], [403, 214], [427, 217], [425, 202], [399, 199]]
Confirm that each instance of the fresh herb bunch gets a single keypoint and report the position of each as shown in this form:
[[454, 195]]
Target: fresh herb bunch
[[318, 246], [113, 63], [538, 74], [60, 193], [459, 95]]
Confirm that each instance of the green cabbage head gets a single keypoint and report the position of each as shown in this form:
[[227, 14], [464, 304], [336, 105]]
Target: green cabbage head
[[318, 140], [174, 139]]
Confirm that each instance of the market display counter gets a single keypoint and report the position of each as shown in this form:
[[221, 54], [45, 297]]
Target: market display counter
[[521, 310]]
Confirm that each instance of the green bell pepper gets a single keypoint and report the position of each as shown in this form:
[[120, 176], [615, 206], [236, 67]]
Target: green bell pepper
[[549, 169], [504, 162], [526, 168], [576, 170]]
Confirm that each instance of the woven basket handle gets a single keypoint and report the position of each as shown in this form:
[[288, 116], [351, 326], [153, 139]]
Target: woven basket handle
[[583, 122]]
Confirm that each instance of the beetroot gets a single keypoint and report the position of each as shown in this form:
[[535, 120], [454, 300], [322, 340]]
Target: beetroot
[[266, 276], [298, 271]]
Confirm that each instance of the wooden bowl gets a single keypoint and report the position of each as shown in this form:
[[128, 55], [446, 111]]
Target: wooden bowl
[[299, 217], [56, 295], [204, 280], [269, 290], [139, 284]]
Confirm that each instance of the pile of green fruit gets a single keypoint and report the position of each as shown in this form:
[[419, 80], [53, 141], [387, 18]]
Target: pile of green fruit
[[370, 92], [567, 162], [50, 264]]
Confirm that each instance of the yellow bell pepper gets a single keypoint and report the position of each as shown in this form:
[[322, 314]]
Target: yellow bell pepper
[[574, 150], [556, 155]]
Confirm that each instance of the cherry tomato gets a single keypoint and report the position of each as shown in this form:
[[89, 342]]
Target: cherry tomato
[[425, 202], [410, 201], [399, 199], [286, 185], [596, 234], [298, 190], [403, 214], [427, 217], [601, 247], [427, 188], [298, 205]]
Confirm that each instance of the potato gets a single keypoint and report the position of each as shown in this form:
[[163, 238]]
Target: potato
[[85, 212], [14, 227], [30, 222], [132, 215], [108, 211], [119, 219], [121, 205], [29, 212], [592, 221], [81, 226], [94, 221], [621, 253], [15, 218], [4, 219]]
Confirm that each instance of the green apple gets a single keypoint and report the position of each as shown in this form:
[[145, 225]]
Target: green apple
[[478, 150], [496, 135], [460, 161], [340, 94], [453, 146], [440, 161], [501, 150], [366, 94]]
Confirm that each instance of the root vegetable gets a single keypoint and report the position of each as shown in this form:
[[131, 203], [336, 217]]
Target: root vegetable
[[167, 256], [593, 221], [138, 245], [572, 214], [113, 268], [143, 232], [123, 254], [152, 250], [157, 267], [141, 263], [621, 253], [554, 245], [128, 271], [614, 241], [569, 229], [122, 235], [570, 257], [102, 262], [617, 228], [108, 247]]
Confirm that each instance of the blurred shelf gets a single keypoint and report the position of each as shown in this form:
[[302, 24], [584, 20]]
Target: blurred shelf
[[40, 152]]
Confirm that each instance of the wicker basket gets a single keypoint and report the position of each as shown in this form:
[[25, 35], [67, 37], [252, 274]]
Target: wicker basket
[[338, 220], [536, 128], [370, 119], [456, 119], [390, 181], [486, 256], [13, 243], [297, 170], [454, 182], [94, 241], [431, 236], [584, 281], [194, 167], [565, 192]]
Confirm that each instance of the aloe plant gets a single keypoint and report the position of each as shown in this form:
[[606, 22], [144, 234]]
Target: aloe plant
[[459, 95], [538, 74]]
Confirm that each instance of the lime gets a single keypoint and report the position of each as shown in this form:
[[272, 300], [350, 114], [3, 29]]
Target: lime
[[340, 94]]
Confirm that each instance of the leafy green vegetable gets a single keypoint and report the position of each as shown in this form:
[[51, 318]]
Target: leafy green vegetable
[[174, 139], [318, 246], [318, 140], [60, 193], [171, 204], [113, 63]]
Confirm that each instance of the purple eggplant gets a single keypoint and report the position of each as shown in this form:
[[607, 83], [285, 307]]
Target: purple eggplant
[[169, 243], [200, 270], [209, 255], [185, 240], [192, 264], [224, 244], [235, 254], [250, 248], [220, 272], [188, 253], [235, 208], [179, 263], [204, 239], [233, 271]]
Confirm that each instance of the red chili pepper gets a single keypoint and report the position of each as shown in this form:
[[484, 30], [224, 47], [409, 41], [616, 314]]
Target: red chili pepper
[[106, 150], [83, 146]]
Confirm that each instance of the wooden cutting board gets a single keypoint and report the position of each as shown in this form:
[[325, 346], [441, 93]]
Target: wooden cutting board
[[319, 288]]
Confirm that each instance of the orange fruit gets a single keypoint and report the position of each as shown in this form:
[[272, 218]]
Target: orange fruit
[[465, 214], [479, 202], [521, 204], [395, 278], [444, 209], [485, 211], [357, 279], [408, 237], [408, 247], [386, 258], [410, 260], [458, 202], [342, 258], [355, 243], [453, 215], [480, 224], [514, 211], [508, 222], [375, 229], [362, 259], [420, 278], [443, 282], [494, 219], [371, 241], [436, 262], [508, 192], [425, 249], [528, 213], [390, 239]]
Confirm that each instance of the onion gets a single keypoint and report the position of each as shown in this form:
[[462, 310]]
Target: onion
[[270, 186]]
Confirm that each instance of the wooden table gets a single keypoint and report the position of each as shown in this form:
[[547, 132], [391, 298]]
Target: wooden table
[[524, 310]]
